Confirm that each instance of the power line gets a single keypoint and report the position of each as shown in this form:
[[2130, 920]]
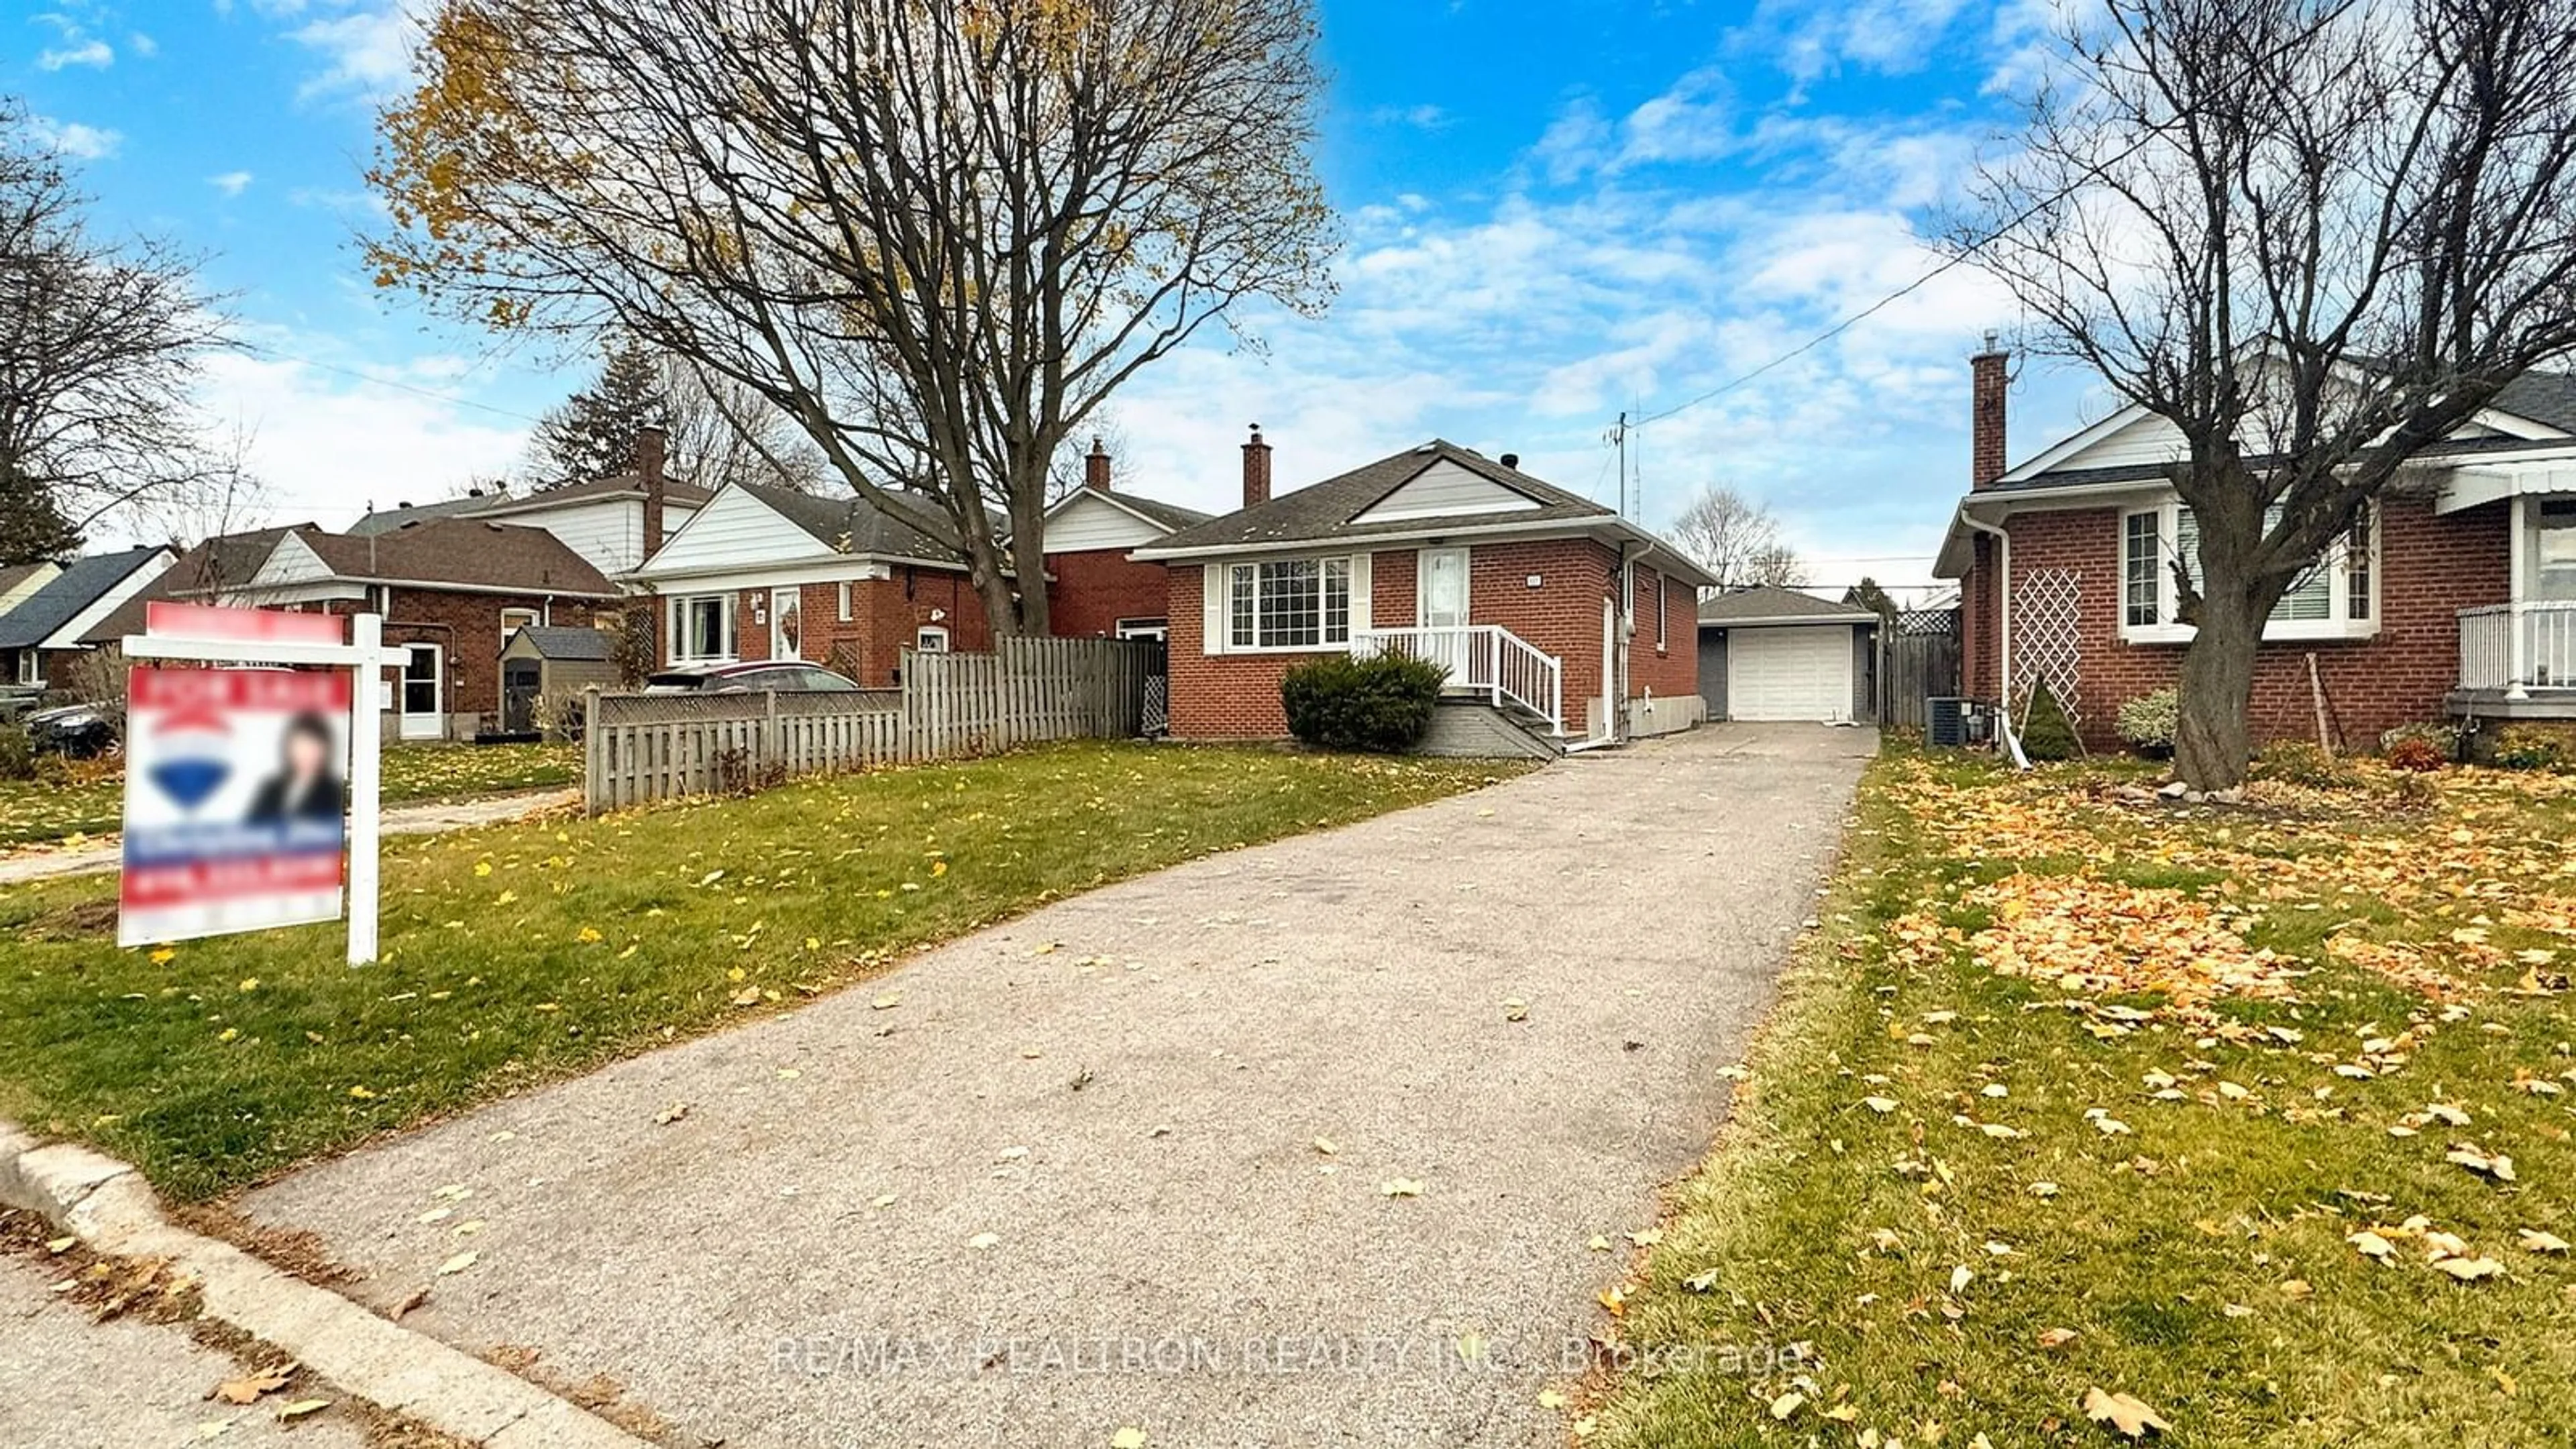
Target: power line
[[368, 377], [1948, 264]]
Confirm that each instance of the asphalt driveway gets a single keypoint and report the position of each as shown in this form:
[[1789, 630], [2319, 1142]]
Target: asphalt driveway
[[1125, 1163]]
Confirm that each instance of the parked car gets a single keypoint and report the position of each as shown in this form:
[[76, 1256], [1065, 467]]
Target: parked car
[[76, 730], [750, 676]]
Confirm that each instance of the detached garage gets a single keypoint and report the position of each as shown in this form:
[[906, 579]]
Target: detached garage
[[1776, 654]]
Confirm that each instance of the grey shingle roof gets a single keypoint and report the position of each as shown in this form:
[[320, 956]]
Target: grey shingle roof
[[77, 587], [1170, 515], [1764, 601], [558, 642], [2543, 397], [385, 520], [914, 528], [1322, 512]]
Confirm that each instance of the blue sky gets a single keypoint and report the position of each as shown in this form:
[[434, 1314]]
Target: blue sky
[[1556, 209]]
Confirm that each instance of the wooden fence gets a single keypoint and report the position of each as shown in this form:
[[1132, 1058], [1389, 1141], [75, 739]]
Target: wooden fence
[[646, 747], [1922, 653]]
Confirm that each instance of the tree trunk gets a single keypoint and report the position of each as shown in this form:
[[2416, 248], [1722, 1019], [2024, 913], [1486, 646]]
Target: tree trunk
[[2213, 735]]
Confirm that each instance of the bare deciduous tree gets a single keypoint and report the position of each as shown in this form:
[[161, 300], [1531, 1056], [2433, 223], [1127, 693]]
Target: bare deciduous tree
[[99, 350], [936, 235], [2316, 236], [1736, 539]]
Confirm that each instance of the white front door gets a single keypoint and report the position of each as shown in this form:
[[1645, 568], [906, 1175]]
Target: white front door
[[424, 693], [1440, 587], [784, 638]]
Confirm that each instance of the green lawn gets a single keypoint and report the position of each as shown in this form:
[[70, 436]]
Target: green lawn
[[2071, 1092], [522, 953], [94, 800]]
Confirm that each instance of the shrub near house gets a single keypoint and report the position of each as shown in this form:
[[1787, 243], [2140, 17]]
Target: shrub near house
[[1382, 704]]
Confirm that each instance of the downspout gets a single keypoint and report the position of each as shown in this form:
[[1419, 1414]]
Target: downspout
[[2003, 635]]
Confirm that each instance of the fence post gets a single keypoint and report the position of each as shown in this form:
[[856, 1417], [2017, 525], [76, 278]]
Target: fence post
[[593, 769], [771, 751]]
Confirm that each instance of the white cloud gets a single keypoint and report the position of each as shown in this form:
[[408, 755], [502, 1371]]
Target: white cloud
[[230, 183], [143, 45], [367, 52], [327, 444], [1421, 117], [74, 139], [89, 52]]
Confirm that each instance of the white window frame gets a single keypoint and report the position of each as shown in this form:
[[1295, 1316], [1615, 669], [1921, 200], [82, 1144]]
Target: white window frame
[[726, 608], [1242, 577], [30, 668], [845, 601], [2337, 566], [930, 639], [526, 619], [1663, 615], [1141, 627]]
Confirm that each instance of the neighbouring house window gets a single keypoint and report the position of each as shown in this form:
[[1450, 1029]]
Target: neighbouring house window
[[2553, 549], [1663, 635], [2336, 595], [513, 620], [702, 626], [28, 671], [1291, 604], [930, 639], [845, 601]]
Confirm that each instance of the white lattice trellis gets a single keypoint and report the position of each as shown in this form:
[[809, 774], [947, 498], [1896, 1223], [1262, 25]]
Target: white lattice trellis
[[2047, 640]]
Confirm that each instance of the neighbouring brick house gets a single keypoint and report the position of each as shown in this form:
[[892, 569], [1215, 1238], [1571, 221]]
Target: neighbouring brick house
[[2456, 596], [1555, 615], [762, 572], [451, 591], [1096, 589]]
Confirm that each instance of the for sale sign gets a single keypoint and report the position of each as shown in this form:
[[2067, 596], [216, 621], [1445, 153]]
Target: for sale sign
[[234, 795]]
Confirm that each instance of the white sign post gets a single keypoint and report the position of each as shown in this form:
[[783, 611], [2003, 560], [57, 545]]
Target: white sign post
[[240, 858]]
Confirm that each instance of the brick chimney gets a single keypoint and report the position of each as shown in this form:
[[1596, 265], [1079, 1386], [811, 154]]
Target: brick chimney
[[1988, 383], [1256, 469], [1095, 468], [651, 443]]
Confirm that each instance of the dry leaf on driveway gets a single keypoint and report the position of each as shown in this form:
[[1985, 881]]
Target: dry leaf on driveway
[[2126, 1413], [1401, 1187], [249, 1387]]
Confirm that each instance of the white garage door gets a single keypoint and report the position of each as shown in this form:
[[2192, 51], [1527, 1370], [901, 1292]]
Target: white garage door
[[1789, 673]]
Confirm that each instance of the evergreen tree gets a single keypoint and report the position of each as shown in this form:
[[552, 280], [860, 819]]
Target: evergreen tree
[[592, 434]]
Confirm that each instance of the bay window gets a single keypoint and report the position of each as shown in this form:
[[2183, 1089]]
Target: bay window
[[2336, 598], [1289, 604]]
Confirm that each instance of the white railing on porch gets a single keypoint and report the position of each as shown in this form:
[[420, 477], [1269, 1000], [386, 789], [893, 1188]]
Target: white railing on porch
[[2513, 647], [1485, 659]]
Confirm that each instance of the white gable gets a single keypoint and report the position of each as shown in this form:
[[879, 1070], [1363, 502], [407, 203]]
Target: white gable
[[291, 561], [1444, 490], [734, 530], [1087, 521]]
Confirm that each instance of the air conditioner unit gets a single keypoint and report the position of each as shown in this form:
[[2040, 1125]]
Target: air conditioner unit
[[1954, 723]]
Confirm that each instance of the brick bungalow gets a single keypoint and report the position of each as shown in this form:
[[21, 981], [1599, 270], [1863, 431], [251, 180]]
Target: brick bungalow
[[2457, 596], [762, 572], [1096, 589], [1562, 618], [451, 591]]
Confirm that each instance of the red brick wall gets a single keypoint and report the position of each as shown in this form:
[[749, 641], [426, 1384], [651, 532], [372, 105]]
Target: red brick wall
[[2430, 568], [884, 613], [1095, 588], [467, 629], [1671, 669], [1236, 696]]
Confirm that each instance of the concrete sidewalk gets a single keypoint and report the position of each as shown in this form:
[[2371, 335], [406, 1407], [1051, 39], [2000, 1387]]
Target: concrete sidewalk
[[100, 852], [1063, 1177]]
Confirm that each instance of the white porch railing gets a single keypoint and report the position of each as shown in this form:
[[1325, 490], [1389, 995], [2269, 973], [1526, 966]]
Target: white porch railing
[[1485, 659], [2514, 647]]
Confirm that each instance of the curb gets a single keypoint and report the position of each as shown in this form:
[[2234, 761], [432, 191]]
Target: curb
[[107, 1205]]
